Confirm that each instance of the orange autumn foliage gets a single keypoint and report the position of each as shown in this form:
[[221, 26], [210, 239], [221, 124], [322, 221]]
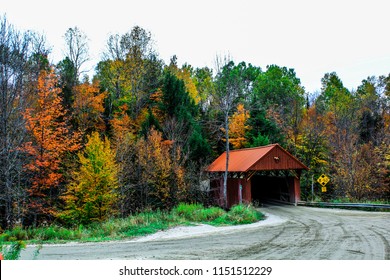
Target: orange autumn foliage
[[155, 99], [50, 140], [88, 107], [123, 125]]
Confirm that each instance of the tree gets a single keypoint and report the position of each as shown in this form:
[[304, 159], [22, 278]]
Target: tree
[[92, 196], [277, 101], [263, 128], [176, 101], [76, 50], [162, 171], [22, 56], [332, 94], [371, 109], [186, 75], [88, 107], [312, 147], [138, 46], [181, 118], [67, 75], [228, 91], [203, 79], [50, 141], [238, 127], [130, 71]]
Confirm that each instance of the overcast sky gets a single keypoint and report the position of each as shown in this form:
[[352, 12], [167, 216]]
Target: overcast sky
[[313, 37]]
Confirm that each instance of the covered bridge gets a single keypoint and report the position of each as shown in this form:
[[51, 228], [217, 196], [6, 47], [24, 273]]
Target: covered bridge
[[257, 174]]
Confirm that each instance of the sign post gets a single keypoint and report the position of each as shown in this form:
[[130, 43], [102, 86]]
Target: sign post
[[323, 180], [312, 188]]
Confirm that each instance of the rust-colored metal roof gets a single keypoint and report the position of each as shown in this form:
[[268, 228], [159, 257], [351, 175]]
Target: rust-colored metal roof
[[256, 159]]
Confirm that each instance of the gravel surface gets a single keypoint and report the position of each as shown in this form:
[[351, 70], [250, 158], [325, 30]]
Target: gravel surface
[[288, 233]]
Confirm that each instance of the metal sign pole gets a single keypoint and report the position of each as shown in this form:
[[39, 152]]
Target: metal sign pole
[[312, 188]]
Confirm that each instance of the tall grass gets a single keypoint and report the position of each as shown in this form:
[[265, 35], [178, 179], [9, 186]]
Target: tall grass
[[147, 222], [240, 214], [197, 213]]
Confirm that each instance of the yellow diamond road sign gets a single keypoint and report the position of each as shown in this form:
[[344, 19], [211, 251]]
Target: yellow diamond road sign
[[323, 180]]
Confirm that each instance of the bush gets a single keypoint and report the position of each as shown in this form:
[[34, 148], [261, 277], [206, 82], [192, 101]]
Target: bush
[[244, 214], [17, 233], [239, 214]]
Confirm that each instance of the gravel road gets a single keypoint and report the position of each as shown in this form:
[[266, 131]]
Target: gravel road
[[291, 233]]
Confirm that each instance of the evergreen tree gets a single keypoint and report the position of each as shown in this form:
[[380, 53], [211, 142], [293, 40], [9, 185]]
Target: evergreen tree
[[176, 101]]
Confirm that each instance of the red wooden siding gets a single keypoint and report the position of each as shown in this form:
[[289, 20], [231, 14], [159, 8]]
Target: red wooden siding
[[233, 191], [278, 159]]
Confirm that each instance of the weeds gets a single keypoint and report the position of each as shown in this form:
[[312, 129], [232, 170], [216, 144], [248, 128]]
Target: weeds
[[12, 251]]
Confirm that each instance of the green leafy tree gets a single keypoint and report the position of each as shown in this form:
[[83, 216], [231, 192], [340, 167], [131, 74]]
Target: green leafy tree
[[92, 196], [333, 93], [180, 123], [264, 130], [203, 79], [277, 104], [130, 71]]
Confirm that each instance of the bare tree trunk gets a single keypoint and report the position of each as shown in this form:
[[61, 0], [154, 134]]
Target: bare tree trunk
[[228, 91], [225, 176]]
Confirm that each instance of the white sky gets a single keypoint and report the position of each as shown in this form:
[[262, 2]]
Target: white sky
[[313, 37]]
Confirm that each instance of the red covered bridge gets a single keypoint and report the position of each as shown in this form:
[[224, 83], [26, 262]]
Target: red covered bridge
[[257, 174]]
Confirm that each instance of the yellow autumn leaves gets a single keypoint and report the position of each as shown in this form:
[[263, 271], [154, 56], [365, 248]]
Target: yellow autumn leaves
[[238, 127]]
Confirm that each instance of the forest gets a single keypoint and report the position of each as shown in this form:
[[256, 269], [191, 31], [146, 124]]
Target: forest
[[139, 133]]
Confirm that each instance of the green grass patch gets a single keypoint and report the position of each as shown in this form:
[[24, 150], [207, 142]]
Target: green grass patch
[[348, 200], [144, 223], [197, 213]]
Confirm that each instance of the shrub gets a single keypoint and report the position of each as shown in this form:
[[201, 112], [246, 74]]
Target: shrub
[[17, 233], [239, 214], [244, 214]]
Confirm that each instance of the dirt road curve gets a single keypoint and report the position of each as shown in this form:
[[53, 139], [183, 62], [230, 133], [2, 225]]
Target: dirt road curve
[[301, 233]]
